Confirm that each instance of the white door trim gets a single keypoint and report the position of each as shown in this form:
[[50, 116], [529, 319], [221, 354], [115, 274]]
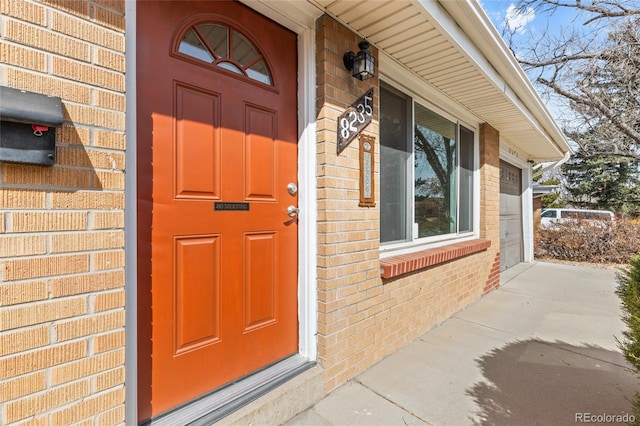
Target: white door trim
[[307, 199], [131, 221]]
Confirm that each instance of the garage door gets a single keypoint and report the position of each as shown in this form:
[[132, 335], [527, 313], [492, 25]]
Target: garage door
[[511, 249]]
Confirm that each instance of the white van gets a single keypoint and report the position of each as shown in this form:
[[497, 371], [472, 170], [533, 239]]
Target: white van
[[553, 216]]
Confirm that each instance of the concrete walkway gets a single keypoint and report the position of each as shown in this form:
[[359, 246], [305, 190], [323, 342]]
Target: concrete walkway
[[540, 350]]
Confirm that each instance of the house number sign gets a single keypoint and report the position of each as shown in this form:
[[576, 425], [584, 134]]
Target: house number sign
[[354, 119]]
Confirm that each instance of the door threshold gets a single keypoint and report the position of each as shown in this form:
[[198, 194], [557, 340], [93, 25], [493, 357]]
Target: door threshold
[[214, 406]]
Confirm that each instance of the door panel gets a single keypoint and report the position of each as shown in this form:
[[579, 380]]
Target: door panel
[[197, 292], [260, 284], [197, 142], [218, 286], [261, 153]]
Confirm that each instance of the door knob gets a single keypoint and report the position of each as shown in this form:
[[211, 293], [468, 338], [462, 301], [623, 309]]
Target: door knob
[[293, 211]]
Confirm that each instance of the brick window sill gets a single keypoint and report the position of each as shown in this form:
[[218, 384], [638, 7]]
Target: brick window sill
[[398, 265]]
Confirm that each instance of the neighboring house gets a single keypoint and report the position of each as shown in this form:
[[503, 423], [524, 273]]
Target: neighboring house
[[200, 223]]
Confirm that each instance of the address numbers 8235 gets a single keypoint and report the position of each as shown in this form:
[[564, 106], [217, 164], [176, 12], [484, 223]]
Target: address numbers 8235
[[354, 119]]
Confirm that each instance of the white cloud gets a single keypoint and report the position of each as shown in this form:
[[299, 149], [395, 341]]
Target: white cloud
[[516, 20]]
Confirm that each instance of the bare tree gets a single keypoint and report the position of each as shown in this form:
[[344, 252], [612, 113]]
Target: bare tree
[[594, 65]]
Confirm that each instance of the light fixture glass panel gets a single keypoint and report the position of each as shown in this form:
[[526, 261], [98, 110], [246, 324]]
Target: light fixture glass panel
[[243, 51], [369, 66], [231, 67], [191, 45], [217, 36], [359, 64], [260, 72]]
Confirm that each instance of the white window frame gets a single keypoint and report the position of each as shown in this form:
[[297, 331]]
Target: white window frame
[[413, 243]]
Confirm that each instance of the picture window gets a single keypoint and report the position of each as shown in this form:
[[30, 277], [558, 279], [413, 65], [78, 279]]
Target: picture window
[[427, 172]]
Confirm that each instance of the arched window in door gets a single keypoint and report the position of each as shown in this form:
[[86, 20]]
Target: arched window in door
[[224, 47]]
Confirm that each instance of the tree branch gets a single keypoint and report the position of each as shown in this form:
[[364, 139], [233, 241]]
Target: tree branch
[[594, 102], [432, 157], [560, 60], [617, 10]]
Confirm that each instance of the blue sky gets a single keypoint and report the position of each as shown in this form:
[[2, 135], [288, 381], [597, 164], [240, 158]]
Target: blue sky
[[529, 22]]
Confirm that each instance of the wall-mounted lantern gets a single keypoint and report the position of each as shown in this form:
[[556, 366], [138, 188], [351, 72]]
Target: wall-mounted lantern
[[361, 64], [28, 124]]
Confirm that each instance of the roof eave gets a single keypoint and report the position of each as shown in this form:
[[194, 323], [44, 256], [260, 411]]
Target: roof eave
[[472, 19]]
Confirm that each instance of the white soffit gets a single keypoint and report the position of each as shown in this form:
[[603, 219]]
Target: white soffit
[[296, 15], [454, 47]]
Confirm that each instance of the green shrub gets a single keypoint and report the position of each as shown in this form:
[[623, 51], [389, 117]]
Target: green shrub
[[629, 292]]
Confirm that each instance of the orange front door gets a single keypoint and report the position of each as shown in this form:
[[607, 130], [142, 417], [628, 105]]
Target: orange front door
[[217, 136]]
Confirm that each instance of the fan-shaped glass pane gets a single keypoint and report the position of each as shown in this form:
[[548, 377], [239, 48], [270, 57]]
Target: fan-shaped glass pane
[[229, 66], [259, 72], [217, 44], [243, 50], [191, 45], [217, 37]]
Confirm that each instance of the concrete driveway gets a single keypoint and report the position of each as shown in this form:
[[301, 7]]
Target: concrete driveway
[[540, 350]]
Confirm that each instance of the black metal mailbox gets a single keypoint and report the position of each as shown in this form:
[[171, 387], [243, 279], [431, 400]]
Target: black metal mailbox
[[28, 124]]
